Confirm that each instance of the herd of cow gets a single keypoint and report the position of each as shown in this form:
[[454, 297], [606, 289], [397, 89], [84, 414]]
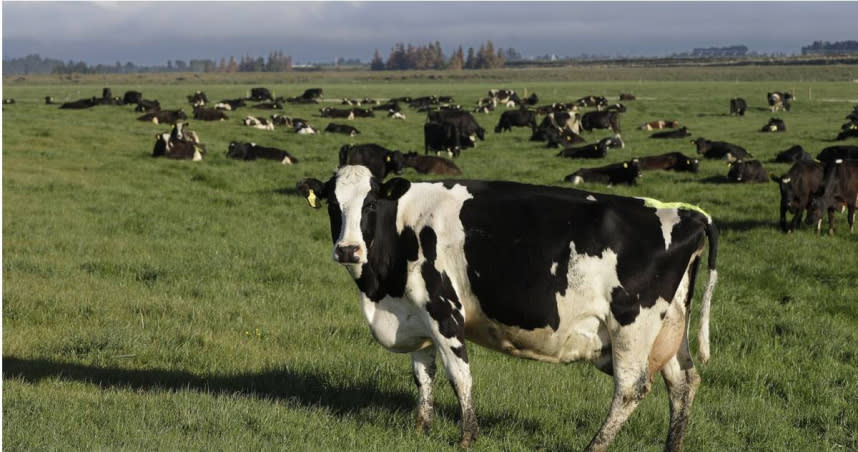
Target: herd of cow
[[498, 263]]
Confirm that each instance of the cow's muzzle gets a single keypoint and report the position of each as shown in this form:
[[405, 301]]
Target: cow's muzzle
[[347, 254]]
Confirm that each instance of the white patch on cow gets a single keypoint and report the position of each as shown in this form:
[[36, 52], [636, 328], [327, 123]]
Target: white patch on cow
[[785, 180], [553, 269], [197, 155], [668, 218], [590, 198], [353, 184], [396, 324], [286, 161], [577, 180]]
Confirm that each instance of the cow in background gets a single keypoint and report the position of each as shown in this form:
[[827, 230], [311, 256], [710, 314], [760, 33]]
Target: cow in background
[[750, 171], [774, 125], [792, 155], [797, 187], [738, 106], [779, 101], [839, 190]]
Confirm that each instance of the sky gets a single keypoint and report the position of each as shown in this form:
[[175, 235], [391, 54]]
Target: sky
[[151, 33]]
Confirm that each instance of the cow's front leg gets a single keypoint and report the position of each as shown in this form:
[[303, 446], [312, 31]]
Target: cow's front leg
[[423, 366], [455, 360]]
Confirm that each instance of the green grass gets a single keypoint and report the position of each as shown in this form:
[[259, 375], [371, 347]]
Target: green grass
[[165, 305]]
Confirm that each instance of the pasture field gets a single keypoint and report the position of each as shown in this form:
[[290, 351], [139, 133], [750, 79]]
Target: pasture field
[[175, 305]]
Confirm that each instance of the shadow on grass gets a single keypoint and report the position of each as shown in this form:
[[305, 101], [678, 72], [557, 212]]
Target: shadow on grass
[[748, 225], [305, 388], [715, 180]]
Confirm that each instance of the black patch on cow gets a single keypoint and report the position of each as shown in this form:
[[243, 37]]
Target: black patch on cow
[[429, 241], [408, 242], [461, 352], [443, 306]]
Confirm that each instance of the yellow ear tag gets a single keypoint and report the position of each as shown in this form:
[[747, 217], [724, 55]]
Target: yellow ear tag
[[387, 159], [625, 165], [688, 162], [311, 198]]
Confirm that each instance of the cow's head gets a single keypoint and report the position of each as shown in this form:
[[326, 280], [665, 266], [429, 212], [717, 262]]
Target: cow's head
[[687, 164], [816, 208], [359, 207], [702, 145], [737, 170]]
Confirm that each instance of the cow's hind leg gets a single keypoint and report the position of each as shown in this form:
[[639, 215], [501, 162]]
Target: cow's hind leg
[[631, 384], [682, 381], [423, 365]]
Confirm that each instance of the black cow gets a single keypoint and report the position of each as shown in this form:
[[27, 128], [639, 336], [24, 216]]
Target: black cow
[[681, 132], [363, 113], [516, 118], [379, 160], [779, 101], [675, 161], [833, 153], [601, 120], [427, 164], [774, 125], [720, 150], [209, 114], [132, 97], [738, 106], [80, 104], [269, 106], [747, 172], [627, 96], [164, 116], [147, 106], [595, 277], [342, 128], [797, 186], [839, 189], [8, 100], [850, 132], [252, 151], [555, 138], [312, 93], [444, 136], [464, 122], [394, 106], [259, 94], [593, 151], [792, 155], [617, 173]]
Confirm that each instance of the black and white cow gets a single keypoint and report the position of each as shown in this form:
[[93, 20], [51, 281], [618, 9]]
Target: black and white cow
[[839, 190], [613, 174], [463, 120], [593, 151], [281, 120], [516, 118], [363, 112], [601, 120], [738, 106], [260, 94], [720, 150], [164, 116], [198, 99], [230, 104], [747, 172], [80, 104], [252, 151], [545, 273], [779, 101], [147, 106], [675, 161], [303, 127], [178, 144], [681, 132], [379, 160], [592, 101], [342, 128], [774, 125], [330, 112], [796, 187], [444, 136], [793, 154], [258, 123]]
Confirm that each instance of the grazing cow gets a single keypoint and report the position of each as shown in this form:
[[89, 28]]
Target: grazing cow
[[516, 118], [750, 171], [720, 150], [178, 144], [779, 101], [601, 278], [797, 186], [164, 116], [198, 99], [617, 173], [342, 128], [601, 120], [303, 127], [682, 132], [379, 160], [793, 154], [444, 136], [252, 151], [49, 100], [774, 125], [363, 113], [269, 106], [675, 161], [851, 132], [233, 104], [659, 124], [80, 104], [132, 97], [258, 123], [839, 189], [260, 94], [626, 96], [593, 151], [281, 120], [833, 153], [329, 112], [147, 106], [464, 122], [738, 106], [427, 164], [209, 114]]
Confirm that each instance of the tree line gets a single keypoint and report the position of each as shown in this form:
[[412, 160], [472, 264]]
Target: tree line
[[431, 56], [35, 64], [830, 48]]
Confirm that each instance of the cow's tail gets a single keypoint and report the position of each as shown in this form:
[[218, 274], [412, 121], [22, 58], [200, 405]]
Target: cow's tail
[[703, 335]]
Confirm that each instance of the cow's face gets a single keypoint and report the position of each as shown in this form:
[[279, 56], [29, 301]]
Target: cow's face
[[702, 145], [737, 169], [357, 206]]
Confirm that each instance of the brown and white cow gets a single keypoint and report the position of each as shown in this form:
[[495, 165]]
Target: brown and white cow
[[599, 278]]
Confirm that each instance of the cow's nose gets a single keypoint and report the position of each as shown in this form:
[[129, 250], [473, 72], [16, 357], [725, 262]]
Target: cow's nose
[[346, 254]]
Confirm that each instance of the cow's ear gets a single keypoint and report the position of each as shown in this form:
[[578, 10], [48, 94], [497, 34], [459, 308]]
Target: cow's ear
[[313, 190], [395, 188]]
